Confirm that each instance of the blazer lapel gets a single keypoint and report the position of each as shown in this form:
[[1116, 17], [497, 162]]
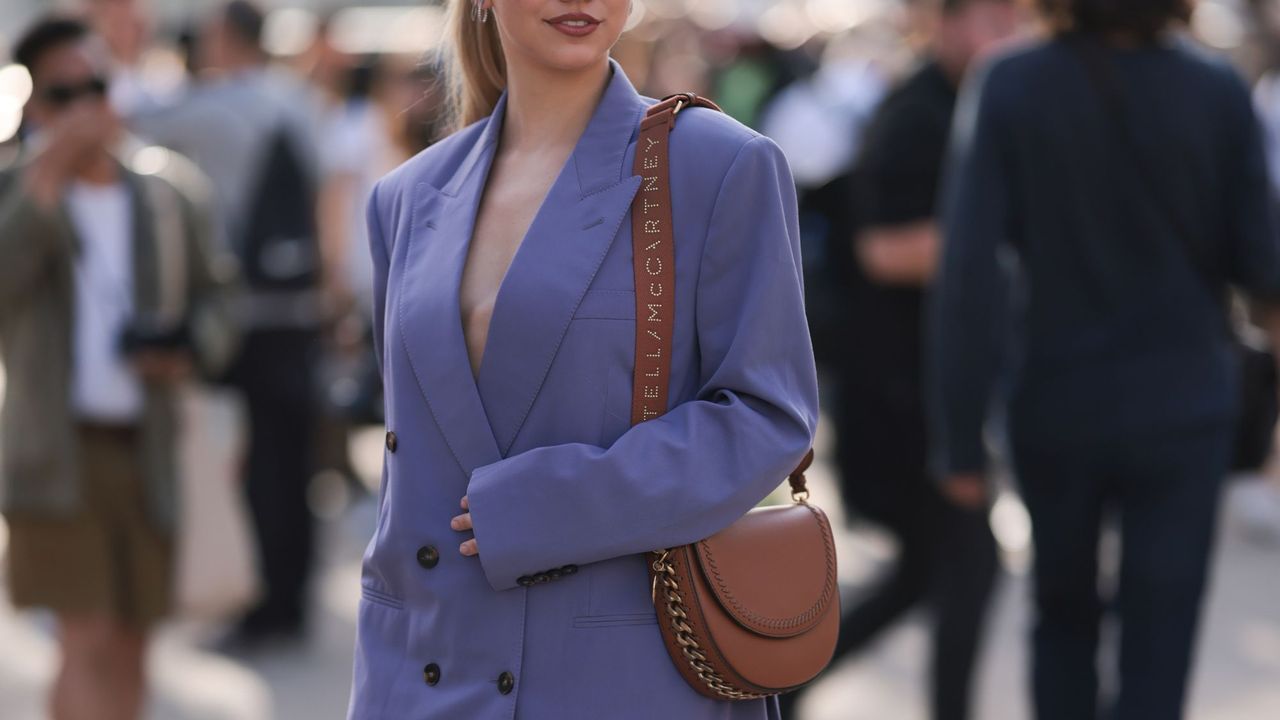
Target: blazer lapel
[[146, 252], [428, 310], [160, 260], [557, 260]]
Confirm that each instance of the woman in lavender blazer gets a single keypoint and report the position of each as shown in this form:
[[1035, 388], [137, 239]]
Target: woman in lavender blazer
[[506, 578]]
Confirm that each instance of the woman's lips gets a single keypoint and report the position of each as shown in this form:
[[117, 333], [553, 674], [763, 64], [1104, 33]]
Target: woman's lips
[[575, 25]]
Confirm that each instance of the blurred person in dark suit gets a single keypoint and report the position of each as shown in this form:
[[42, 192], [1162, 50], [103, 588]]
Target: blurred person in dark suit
[[1109, 184], [253, 130], [946, 553], [109, 297]]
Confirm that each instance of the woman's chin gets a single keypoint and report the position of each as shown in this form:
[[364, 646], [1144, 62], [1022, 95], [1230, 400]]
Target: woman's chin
[[570, 55]]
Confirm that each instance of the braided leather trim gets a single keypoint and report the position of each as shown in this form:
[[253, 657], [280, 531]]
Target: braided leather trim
[[749, 617], [679, 628]]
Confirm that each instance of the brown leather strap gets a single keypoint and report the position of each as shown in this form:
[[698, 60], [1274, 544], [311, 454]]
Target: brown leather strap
[[654, 266], [654, 258], [796, 478]]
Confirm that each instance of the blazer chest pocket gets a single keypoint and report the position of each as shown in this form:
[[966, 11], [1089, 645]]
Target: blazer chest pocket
[[607, 305]]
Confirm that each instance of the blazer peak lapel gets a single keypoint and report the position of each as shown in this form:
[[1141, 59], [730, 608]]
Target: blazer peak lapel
[[550, 274], [558, 258], [430, 319]]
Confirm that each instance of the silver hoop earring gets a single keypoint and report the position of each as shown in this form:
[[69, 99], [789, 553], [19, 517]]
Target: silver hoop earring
[[479, 13]]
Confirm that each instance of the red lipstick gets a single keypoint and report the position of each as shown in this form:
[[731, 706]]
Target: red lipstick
[[574, 24]]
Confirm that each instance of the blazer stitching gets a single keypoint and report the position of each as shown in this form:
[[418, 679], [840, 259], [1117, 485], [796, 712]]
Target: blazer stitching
[[777, 623], [381, 598], [601, 314], [389, 603], [480, 148], [622, 165], [636, 118], [587, 622], [607, 188]]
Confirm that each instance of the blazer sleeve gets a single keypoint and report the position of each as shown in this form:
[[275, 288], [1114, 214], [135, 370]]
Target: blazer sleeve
[[695, 470], [1253, 236], [31, 239]]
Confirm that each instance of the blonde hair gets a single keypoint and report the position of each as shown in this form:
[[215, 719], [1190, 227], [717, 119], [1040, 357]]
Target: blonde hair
[[477, 69]]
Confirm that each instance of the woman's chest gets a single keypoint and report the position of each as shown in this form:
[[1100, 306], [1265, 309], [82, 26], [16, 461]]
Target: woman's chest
[[561, 317], [510, 204]]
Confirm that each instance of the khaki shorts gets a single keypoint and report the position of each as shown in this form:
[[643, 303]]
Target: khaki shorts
[[108, 559]]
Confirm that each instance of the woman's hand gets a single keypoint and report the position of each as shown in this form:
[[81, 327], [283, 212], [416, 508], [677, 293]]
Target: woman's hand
[[462, 523]]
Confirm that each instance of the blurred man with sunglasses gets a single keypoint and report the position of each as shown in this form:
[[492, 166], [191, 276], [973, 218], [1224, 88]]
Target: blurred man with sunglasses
[[107, 301]]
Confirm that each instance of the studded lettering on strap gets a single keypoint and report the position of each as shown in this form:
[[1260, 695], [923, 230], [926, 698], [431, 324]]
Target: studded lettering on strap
[[654, 266], [653, 258]]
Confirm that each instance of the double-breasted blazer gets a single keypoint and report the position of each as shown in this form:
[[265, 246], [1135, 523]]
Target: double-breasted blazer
[[560, 485]]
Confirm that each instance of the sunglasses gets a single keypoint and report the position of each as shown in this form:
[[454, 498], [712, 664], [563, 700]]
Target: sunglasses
[[65, 94]]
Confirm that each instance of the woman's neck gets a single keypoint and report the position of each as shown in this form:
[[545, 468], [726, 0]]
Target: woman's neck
[[549, 108]]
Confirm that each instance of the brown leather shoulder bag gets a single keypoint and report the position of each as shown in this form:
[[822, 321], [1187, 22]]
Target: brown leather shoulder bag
[[753, 610]]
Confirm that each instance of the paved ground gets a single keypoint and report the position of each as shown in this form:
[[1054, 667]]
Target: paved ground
[[1238, 676]]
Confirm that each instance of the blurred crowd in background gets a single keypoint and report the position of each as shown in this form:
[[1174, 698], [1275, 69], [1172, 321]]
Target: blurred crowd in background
[[308, 104]]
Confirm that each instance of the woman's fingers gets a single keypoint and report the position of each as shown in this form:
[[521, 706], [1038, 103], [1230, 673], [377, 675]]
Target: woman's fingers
[[462, 523], [465, 504]]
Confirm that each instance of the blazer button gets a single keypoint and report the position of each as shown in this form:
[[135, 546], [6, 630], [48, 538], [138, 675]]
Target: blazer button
[[569, 569], [555, 574], [428, 557], [506, 683], [541, 578], [392, 442], [524, 581], [431, 674]]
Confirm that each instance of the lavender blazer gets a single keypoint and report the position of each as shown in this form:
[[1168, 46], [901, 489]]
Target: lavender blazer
[[560, 486]]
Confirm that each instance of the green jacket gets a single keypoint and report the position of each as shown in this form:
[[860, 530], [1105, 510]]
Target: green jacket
[[176, 275]]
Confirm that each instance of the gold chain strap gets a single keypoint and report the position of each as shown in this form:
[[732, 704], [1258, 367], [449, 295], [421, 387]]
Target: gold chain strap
[[666, 572]]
